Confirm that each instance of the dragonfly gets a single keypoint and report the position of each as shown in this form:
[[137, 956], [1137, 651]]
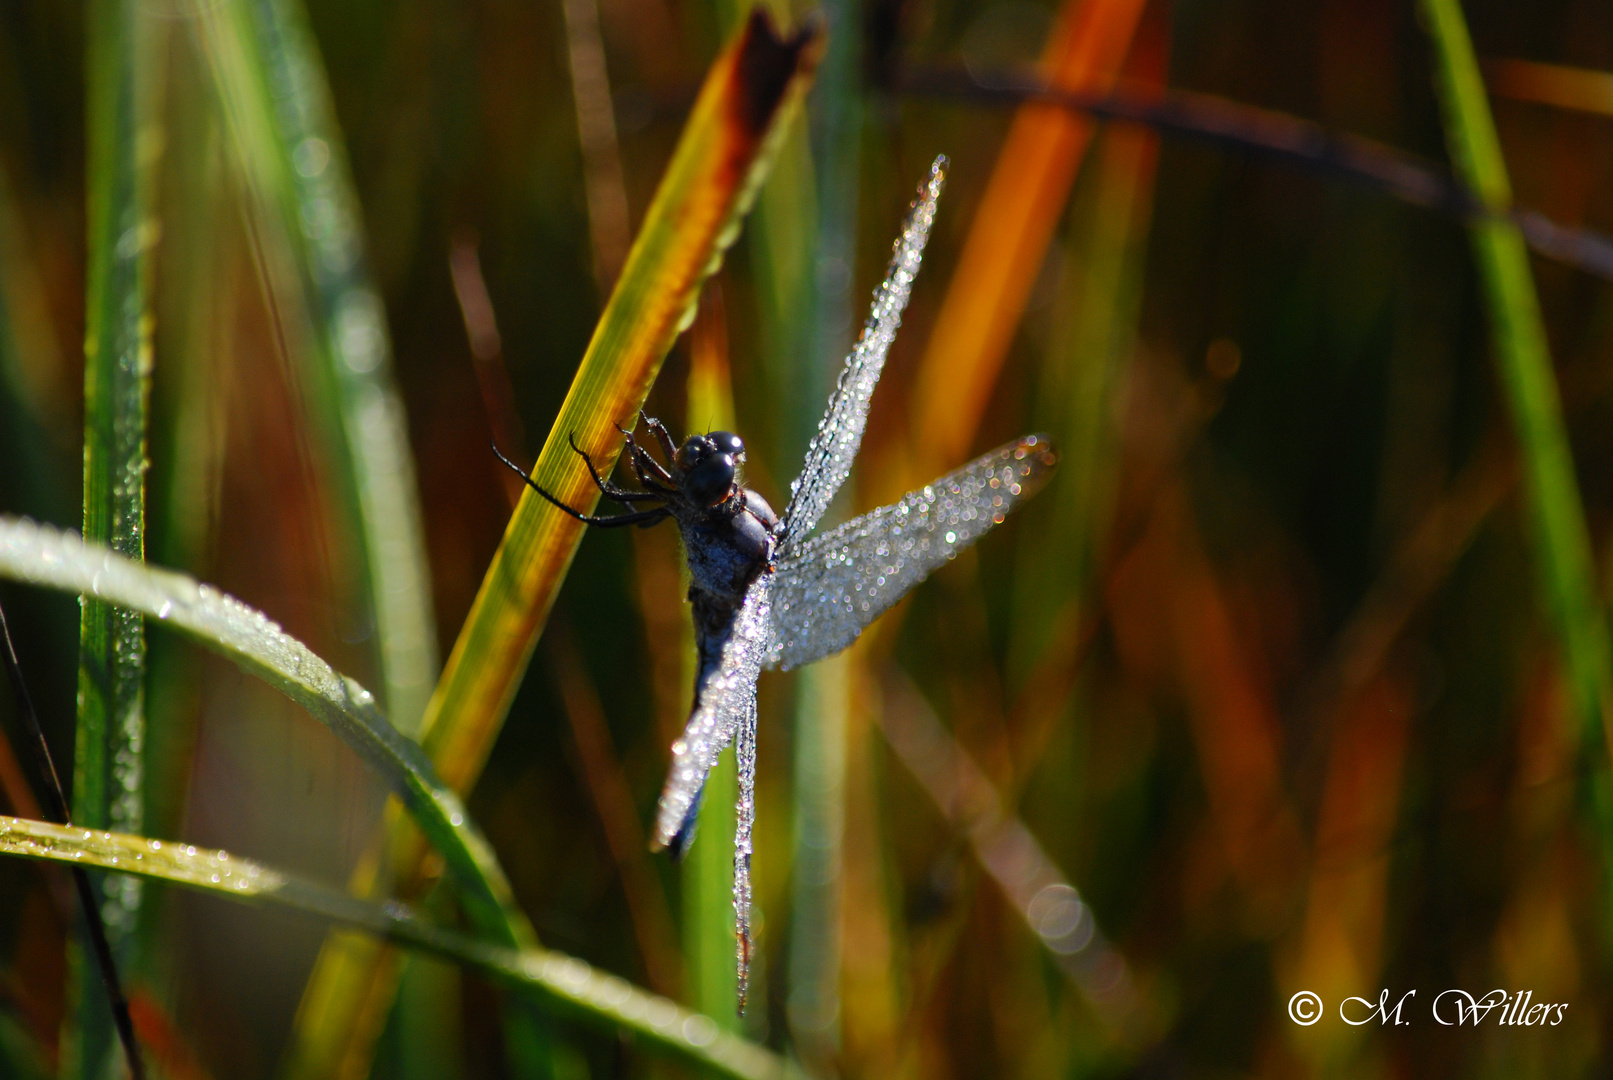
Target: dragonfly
[[765, 590]]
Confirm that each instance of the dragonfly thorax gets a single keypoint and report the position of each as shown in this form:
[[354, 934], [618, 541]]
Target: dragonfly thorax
[[727, 544]]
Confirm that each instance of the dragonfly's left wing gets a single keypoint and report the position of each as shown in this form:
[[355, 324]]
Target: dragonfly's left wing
[[836, 584]]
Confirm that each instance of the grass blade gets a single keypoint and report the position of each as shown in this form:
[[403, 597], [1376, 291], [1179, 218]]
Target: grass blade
[[43, 556], [110, 740], [281, 121], [1012, 227], [558, 983], [1556, 515], [749, 95]]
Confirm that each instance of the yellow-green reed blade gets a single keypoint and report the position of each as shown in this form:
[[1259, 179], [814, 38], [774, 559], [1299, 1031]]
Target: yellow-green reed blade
[[110, 741], [750, 93], [1556, 516], [554, 981]]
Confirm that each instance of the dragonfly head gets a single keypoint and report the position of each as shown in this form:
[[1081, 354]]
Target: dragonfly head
[[710, 464]]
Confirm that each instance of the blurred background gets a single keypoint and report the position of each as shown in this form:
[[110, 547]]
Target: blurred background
[[1258, 696]]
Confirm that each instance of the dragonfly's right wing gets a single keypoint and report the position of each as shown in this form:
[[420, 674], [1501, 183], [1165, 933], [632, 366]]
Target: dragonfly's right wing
[[840, 433], [838, 583]]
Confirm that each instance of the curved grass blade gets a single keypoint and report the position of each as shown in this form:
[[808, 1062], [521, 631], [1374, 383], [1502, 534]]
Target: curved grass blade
[[109, 748], [43, 556], [750, 93], [282, 125], [557, 982], [1556, 514]]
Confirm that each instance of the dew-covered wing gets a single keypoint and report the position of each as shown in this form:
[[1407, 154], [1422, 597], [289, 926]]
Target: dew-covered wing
[[834, 447], [744, 818], [727, 700], [838, 583]]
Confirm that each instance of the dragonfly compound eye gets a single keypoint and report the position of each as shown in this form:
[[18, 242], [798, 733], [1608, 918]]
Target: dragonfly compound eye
[[695, 449], [728, 443], [710, 481]]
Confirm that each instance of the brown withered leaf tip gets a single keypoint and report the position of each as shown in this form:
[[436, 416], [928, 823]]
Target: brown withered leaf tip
[[766, 64]]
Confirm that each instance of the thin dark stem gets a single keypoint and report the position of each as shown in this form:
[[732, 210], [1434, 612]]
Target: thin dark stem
[[1229, 123], [56, 802]]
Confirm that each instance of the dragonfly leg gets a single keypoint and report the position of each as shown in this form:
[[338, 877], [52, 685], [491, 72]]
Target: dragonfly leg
[[641, 517], [662, 435], [609, 490], [645, 466]]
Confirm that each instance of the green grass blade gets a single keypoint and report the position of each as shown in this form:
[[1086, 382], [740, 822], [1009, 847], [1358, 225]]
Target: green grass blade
[[1556, 516], [556, 982], [277, 104], [110, 741], [43, 556]]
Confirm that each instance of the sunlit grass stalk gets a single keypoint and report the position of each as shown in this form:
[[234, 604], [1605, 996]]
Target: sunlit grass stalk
[[123, 140], [308, 228], [751, 92], [1556, 517], [557, 982]]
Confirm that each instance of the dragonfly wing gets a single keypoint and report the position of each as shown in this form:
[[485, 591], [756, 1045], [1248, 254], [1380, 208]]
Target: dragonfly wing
[[840, 433], [744, 817], [727, 697], [838, 583]]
